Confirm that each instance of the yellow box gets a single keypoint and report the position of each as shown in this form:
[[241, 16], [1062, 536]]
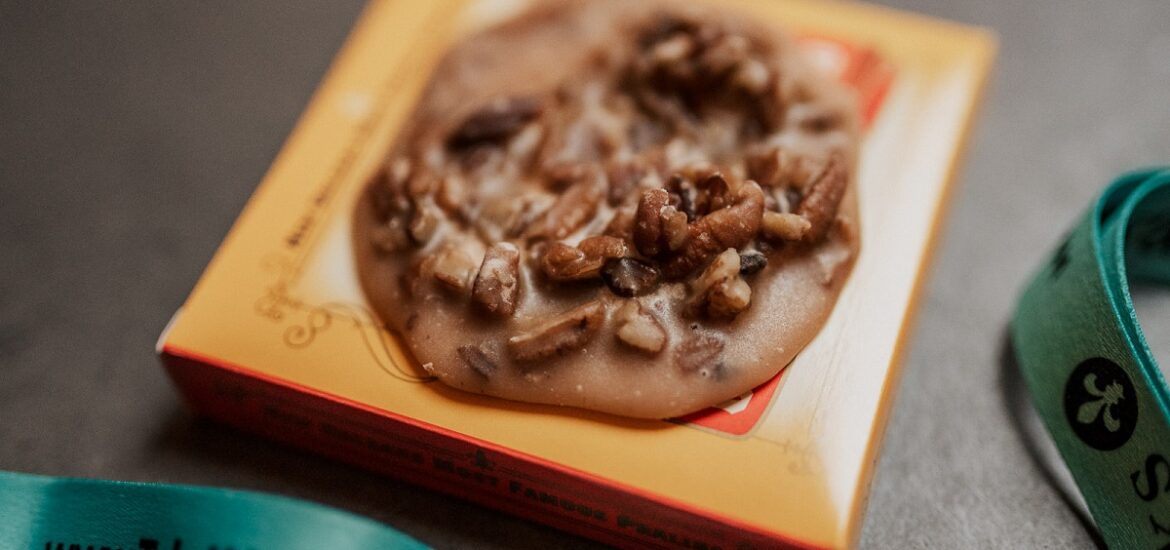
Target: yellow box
[[277, 338]]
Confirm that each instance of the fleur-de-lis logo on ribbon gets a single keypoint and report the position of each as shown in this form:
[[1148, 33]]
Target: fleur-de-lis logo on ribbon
[[1100, 404], [1103, 405]]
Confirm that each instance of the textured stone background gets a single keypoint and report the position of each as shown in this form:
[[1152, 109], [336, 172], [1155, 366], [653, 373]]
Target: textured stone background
[[131, 133]]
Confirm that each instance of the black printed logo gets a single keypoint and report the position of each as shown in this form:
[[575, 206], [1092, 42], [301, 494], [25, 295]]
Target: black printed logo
[[1100, 404]]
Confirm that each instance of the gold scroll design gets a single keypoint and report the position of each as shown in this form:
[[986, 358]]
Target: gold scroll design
[[307, 321], [278, 304]]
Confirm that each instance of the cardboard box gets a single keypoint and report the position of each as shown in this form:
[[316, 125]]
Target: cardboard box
[[277, 339]]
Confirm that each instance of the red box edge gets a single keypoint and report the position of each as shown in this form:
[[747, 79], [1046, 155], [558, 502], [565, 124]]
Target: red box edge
[[629, 517]]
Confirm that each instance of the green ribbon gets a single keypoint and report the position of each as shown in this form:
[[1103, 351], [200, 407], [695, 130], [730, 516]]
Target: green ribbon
[[1091, 375], [84, 514]]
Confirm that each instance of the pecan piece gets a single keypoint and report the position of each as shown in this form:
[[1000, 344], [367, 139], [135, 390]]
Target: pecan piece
[[387, 191], [784, 226], [731, 227], [753, 76], [772, 166], [495, 122], [455, 264], [725, 54], [452, 194], [714, 192], [640, 329], [566, 332], [658, 227], [821, 122], [573, 209], [562, 262], [624, 177], [424, 222], [390, 237], [823, 197], [621, 225], [719, 291], [701, 353], [478, 360], [498, 284], [629, 277]]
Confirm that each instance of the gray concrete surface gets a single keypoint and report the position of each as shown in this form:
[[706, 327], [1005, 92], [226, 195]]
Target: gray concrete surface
[[131, 133]]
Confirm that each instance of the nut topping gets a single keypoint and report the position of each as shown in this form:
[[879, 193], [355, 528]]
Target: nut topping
[[701, 353], [495, 122], [573, 209], [390, 237], [674, 169], [629, 277], [386, 189], [562, 262], [478, 360], [498, 283], [621, 225], [566, 332], [719, 291], [455, 264], [824, 195], [640, 329], [659, 228], [731, 227], [424, 223], [785, 227]]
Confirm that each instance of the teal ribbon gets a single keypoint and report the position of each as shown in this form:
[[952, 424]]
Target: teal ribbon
[[60, 513], [1091, 375]]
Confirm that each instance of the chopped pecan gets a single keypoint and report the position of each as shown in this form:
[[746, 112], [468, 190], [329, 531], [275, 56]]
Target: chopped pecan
[[629, 277], [658, 227], [566, 332], [421, 183], [701, 353], [478, 360], [719, 291], [390, 237], [822, 121], [498, 284], [639, 328], [664, 26], [452, 194], [727, 299], [624, 177], [495, 122], [621, 225], [561, 174], [773, 166], [526, 143], [672, 50], [725, 54], [822, 198], [455, 264], [387, 191], [784, 226], [562, 262], [572, 209], [731, 227], [753, 76], [714, 192], [507, 216], [424, 222]]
